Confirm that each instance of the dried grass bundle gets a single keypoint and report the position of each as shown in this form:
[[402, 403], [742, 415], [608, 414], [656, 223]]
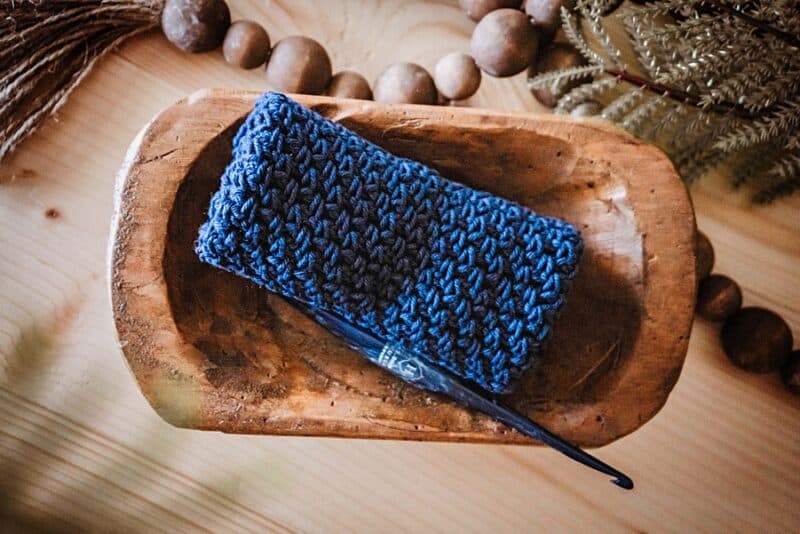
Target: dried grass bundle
[[48, 46]]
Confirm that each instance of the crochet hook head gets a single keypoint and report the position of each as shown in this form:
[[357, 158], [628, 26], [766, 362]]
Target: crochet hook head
[[418, 371], [432, 378], [623, 482]]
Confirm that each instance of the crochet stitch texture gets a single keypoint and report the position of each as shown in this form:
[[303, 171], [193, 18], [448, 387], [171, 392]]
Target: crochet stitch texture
[[309, 209]]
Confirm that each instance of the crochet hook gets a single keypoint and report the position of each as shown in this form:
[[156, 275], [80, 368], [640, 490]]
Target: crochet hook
[[417, 371]]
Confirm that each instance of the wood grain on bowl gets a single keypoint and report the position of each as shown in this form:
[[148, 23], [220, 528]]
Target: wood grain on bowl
[[214, 351]]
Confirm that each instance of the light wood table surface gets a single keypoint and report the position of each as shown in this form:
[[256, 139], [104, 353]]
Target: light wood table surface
[[81, 448]]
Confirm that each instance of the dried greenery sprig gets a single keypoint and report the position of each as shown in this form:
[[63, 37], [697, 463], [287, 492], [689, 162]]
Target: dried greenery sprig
[[717, 82]]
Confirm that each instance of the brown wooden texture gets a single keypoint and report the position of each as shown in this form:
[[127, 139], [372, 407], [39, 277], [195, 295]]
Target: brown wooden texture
[[82, 450], [213, 351]]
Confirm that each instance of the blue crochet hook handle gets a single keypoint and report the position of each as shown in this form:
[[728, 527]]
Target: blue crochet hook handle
[[416, 370]]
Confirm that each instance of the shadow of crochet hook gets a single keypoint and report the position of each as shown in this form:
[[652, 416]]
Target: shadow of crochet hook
[[417, 371]]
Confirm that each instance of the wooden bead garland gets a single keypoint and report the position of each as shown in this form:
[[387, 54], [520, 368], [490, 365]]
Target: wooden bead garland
[[195, 25], [790, 372], [405, 83], [246, 44], [757, 340], [546, 15], [457, 76], [704, 256], [505, 42], [718, 297], [349, 84], [477, 9], [299, 64]]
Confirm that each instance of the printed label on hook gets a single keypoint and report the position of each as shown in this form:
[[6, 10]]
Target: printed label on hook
[[400, 363]]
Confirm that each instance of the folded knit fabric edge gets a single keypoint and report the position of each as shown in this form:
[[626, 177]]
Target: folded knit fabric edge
[[308, 209]]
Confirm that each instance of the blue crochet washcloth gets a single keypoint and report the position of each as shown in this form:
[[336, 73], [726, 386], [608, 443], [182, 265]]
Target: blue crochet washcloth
[[308, 209]]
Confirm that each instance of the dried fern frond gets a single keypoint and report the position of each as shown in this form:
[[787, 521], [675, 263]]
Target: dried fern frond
[[783, 178], [593, 91], [717, 82], [635, 120], [748, 167], [592, 11], [563, 76], [669, 121], [776, 124], [569, 23], [622, 105]]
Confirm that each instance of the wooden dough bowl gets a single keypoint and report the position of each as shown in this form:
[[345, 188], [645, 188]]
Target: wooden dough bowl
[[213, 351]]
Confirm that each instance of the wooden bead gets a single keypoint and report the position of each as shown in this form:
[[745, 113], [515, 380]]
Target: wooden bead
[[299, 64], [477, 9], [757, 340], [195, 25], [718, 297], [586, 109], [546, 15], [704, 256], [405, 83], [246, 44], [790, 372], [349, 84], [504, 42], [554, 57], [457, 76]]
